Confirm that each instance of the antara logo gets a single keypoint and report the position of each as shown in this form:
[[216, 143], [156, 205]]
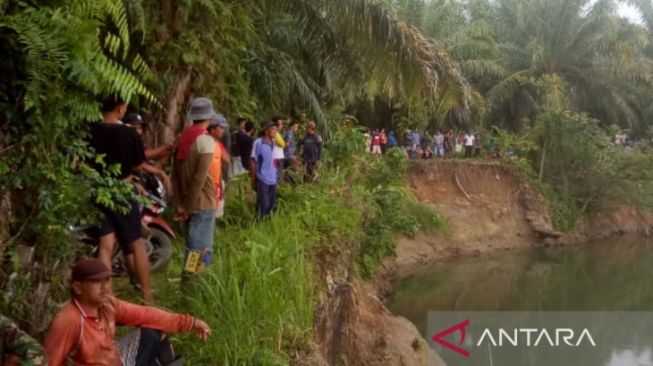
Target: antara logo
[[529, 337], [458, 328]]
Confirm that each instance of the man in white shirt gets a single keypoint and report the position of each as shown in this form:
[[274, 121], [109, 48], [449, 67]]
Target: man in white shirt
[[469, 144], [438, 142]]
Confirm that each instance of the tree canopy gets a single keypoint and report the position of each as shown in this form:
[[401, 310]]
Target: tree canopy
[[521, 55]]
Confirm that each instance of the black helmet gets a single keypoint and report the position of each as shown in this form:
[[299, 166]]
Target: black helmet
[[134, 119]]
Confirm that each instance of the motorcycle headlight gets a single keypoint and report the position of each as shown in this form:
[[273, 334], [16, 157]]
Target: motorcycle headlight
[[161, 192]]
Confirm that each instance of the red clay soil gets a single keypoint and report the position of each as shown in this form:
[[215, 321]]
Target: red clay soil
[[488, 207]]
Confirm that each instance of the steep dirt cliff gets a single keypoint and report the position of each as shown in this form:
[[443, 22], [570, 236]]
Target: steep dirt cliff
[[353, 327], [490, 209]]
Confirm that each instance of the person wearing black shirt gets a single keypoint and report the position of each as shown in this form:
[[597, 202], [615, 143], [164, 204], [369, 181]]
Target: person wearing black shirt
[[245, 142], [121, 144], [311, 145]]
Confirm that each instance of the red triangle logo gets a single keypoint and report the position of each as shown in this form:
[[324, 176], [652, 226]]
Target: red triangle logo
[[460, 327]]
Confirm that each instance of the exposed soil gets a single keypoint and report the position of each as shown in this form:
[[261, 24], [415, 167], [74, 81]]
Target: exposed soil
[[353, 327], [619, 221], [489, 209]]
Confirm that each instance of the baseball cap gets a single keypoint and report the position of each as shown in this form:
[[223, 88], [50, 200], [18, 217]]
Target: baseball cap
[[89, 269], [134, 119], [269, 125]]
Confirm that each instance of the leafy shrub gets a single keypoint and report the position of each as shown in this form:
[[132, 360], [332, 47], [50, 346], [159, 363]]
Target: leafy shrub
[[572, 161]]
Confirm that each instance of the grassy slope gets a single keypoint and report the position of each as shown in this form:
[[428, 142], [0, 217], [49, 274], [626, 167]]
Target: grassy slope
[[258, 294]]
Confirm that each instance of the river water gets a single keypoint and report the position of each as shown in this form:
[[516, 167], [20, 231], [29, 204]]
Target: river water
[[612, 276]]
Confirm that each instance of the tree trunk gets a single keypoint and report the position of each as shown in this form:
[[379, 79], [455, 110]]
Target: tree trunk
[[5, 216], [173, 115], [542, 160], [5, 211]]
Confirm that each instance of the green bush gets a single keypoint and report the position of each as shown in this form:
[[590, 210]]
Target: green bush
[[572, 161]]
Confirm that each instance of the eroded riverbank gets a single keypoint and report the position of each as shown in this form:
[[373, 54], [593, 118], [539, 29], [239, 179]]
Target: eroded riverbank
[[491, 210]]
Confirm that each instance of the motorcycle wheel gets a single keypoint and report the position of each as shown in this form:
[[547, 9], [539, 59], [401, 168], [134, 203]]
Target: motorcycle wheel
[[159, 249]]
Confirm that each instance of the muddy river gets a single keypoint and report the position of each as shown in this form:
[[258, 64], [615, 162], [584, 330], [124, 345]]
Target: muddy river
[[612, 278]]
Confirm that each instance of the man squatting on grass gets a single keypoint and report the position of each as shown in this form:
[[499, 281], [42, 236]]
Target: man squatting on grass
[[84, 329]]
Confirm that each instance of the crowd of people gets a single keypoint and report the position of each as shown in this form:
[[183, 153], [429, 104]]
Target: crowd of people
[[204, 157], [424, 145]]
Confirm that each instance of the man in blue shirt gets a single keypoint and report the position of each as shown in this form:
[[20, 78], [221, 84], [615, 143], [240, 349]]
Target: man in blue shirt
[[264, 172]]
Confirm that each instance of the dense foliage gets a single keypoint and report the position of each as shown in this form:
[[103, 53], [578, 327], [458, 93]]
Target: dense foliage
[[575, 163], [554, 81], [522, 55]]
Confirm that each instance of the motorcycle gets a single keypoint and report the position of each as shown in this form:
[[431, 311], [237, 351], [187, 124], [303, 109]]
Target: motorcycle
[[157, 233]]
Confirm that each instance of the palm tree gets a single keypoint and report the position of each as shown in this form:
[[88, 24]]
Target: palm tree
[[594, 60], [284, 55], [346, 44], [521, 55]]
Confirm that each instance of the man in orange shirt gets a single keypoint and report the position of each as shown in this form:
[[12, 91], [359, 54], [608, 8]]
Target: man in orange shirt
[[217, 128], [84, 329]]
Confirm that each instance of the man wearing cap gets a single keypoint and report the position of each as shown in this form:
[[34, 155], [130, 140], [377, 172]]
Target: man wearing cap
[[264, 172], [84, 328], [193, 186], [138, 123], [121, 145], [218, 127]]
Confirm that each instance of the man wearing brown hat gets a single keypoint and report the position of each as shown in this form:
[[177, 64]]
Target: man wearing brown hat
[[84, 329]]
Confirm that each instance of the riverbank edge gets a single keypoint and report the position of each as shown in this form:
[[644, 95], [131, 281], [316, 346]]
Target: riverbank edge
[[352, 323], [618, 221]]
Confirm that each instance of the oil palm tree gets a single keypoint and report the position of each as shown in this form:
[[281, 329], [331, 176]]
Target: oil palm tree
[[596, 57], [278, 55], [346, 45]]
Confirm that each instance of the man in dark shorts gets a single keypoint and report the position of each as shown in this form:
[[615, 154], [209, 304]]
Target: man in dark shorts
[[121, 144]]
